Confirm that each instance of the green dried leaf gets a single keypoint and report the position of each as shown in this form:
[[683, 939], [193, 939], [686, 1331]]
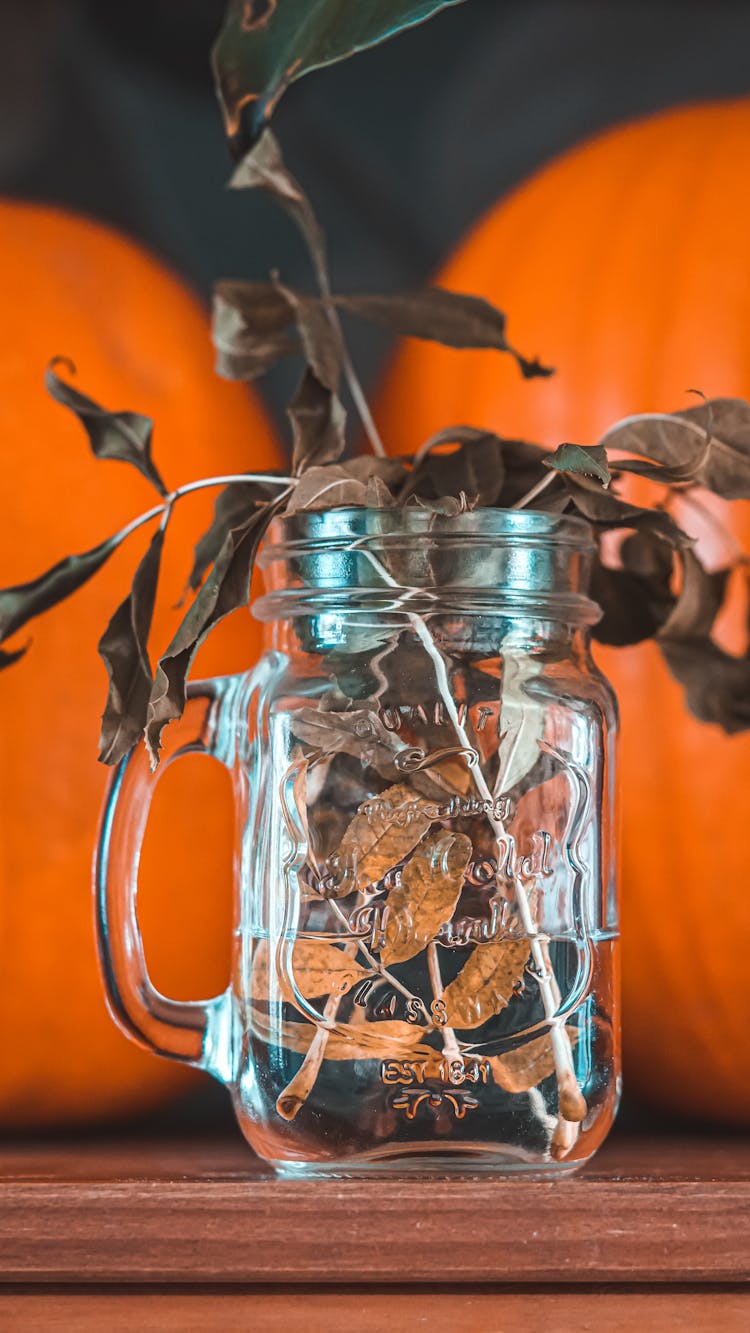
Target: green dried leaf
[[226, 588], [586, 460], [266, 44], [25, 601], [125, 436], [430, 888], [124, 650], [486, 982], [436, 315]]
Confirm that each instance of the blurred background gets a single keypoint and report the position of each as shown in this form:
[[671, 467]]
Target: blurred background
[[107, 111]]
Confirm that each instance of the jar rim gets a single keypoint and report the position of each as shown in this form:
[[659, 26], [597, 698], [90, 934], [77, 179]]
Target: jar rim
[[307, 528]]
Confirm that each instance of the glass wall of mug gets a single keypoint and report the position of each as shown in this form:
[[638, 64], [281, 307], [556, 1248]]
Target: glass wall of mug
[[425, 966]]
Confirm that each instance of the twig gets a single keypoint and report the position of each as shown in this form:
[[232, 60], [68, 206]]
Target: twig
[[536, 490], [297, 1091], [572, 1105], [451, 1048]]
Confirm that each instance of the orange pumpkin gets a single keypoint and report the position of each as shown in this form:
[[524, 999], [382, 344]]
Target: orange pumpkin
[[140, 341], [626, 264]]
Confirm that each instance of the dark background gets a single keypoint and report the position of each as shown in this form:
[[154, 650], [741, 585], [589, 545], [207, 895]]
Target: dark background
[[108, 108]]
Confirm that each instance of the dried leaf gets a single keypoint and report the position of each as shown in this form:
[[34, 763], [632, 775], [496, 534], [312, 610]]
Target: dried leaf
[[265, 44], [253, 328], [124, 650], [717, 685], [234, 506], [486, 982], [527, 1066], [700, 600], [605, 509], [318, 429], [634, 606], [25, 601], [226, 588], [318, 969], [586, 460], [377, 841], [378, 495], [436, 315], [125, 436], [329, 487], [263, 168], [709, 444], [368, 1041], [430, 888], [521, 725]]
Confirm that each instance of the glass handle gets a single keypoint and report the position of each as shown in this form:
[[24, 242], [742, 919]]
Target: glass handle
[[196, 1031]]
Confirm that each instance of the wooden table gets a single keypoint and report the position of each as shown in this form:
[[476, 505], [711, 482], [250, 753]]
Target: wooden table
[[155, 1233]]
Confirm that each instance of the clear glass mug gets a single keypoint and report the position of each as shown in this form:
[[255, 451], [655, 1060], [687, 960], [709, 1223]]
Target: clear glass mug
[[425, 970]]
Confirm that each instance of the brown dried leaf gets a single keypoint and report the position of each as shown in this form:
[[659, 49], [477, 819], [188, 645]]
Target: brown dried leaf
[[700, 600], [430, 887], [373, 844], [529, 1065], [318, 422], [486, 982], [437, 315], [716, 684], [368, 1041], [318, 969]]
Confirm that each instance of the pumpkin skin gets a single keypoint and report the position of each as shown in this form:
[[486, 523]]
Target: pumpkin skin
[[619, 264], [140, 341]]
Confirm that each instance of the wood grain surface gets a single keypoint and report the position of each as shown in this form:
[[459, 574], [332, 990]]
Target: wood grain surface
[[656, 1210], [368, 1312]]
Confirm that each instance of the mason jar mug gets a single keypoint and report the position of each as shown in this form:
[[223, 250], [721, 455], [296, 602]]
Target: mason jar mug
[[424, 970]]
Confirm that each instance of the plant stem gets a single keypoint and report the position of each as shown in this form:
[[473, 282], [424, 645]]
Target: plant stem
[[571, 1102], [297, 1091], [373, 962], [451, 1048], [536, 490]]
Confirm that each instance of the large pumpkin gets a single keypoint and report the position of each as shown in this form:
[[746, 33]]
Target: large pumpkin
[[140, 341], [626, 263]]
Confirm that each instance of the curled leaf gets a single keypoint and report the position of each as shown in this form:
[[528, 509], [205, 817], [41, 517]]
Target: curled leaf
[[124, 650], [266, 44], [586, 460], [717, 685], [125, 436], [700, 600], [318, 428], [441, 316], [486, 982], [226, 588], [426, 898], [234, 506]]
